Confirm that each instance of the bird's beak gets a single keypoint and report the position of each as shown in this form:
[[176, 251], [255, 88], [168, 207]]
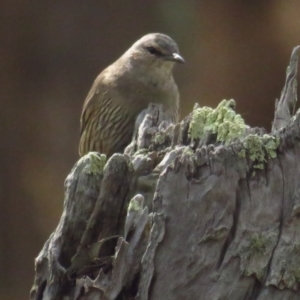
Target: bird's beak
[[177, 58]]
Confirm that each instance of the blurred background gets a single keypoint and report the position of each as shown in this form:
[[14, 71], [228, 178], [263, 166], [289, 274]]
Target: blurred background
[[50, 53]]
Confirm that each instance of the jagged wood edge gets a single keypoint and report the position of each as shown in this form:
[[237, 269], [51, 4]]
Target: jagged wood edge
[[284, 108]]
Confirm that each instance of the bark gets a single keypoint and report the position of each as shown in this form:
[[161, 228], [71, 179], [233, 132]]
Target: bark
[[202, 222]]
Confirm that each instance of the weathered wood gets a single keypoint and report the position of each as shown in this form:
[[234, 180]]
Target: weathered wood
[[285, 107], [219, 222]]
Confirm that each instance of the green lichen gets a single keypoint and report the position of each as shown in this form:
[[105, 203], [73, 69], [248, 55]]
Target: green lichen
[[96, 163], [259, 148], [130, 166], [159, 138], [141, 151], [222, 121], [252, 253], [258, 244], [188, 151], [135, 205]]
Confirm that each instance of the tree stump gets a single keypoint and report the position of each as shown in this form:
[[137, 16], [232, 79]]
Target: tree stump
[[205, 209]]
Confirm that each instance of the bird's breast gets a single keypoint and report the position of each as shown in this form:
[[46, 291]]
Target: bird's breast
[[136, 91]]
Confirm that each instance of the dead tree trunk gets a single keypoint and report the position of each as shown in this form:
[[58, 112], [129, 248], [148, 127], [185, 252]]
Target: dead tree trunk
[[215, 212]]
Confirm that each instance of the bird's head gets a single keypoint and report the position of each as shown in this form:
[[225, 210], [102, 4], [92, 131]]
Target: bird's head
[[155, 50]]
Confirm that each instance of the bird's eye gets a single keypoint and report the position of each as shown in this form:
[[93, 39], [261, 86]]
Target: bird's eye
[[153, 50]]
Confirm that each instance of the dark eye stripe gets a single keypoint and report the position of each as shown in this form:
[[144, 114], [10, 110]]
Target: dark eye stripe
[[154, 51]]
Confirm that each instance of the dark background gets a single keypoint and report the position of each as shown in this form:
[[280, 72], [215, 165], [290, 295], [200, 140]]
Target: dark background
[[50, 53]]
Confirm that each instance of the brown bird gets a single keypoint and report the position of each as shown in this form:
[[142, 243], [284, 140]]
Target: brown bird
[[142, 75]]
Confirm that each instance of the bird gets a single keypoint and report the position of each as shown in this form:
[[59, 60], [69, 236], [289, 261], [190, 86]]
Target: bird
[[142, 75]]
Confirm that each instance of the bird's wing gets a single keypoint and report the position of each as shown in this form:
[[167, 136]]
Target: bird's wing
[[92, 121], [104, 120], [89, 103]]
